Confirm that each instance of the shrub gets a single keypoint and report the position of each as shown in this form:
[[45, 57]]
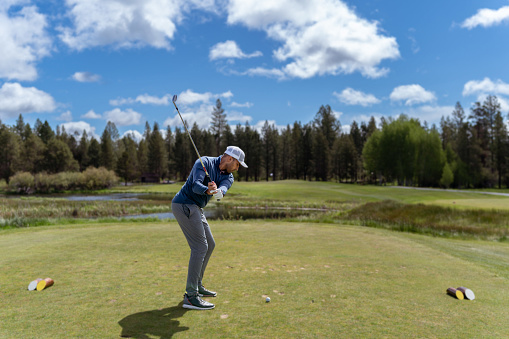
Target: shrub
[[64, 181], [98, 178], [91, 179], [43, 183], [22, 182]]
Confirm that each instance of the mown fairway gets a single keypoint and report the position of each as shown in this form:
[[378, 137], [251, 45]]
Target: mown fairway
[[324, 280]]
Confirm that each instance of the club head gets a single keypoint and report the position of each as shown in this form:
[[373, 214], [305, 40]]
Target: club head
[[175, 98]]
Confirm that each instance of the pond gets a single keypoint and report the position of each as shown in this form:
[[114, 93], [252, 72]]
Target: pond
[[240, 213], [211, 213]]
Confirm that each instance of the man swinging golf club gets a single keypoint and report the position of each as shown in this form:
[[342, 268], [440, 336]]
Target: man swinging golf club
[[209, 177]]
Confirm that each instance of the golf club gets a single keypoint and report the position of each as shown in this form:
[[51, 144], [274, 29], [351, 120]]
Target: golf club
[[190, 137]]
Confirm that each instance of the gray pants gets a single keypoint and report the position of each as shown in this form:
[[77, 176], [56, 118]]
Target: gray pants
[[196, 229]]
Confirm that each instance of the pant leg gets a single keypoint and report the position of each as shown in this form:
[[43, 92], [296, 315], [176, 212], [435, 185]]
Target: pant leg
[[211, 244], [189, 217]]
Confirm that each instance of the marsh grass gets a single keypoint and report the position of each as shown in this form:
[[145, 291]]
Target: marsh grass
[[431, 212], [434, 220], [21, 212]]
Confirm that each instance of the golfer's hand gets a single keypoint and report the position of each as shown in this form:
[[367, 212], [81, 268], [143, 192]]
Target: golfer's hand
[[212, 188], [218, 195]]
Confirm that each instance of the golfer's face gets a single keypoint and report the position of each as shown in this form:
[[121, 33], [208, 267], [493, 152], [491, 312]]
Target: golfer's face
[[233, 165]]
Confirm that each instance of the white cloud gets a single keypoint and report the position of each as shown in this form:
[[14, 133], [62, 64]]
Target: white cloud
[[230, 49], [350, 96], [318, 37], [149, 99], [80, 126], [485, 86], [190, 97], [269, 73], [246, 104], [238, 116], [259, 125], [23, 40], [123, 118], [122, 101], [429, 113], [66, 116], [91, 115], [200, 115], [345, 129], [504, 102], [126, 24], [86, 77], [197, 108], [135, 135], [412, 94], [487, 17], [16, 99]]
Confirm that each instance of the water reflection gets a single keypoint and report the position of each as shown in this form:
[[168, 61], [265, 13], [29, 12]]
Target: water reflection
[[238, 213]]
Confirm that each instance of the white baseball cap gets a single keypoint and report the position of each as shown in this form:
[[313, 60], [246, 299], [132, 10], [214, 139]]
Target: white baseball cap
[[236, 153]]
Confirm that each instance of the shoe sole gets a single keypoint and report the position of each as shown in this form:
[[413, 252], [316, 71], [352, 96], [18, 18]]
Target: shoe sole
[[192, 307], [207, 295]]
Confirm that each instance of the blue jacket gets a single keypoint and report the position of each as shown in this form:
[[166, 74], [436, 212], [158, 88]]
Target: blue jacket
[[193, 191]]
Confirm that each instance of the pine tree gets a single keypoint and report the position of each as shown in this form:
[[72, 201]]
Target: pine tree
[[9, 152], [500, 147], [218, 127], [94, 153], [107, 158], [157, 158]]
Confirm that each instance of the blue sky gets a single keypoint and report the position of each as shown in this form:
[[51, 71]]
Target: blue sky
[[80, 63]]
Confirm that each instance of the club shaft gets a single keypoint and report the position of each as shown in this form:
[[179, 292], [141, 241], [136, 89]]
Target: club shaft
[[190, 137]]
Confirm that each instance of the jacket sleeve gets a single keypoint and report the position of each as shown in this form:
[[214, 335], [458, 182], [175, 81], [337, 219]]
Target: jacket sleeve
[[226, 184], [198, 178]]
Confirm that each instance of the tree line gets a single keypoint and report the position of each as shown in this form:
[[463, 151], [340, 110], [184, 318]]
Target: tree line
[[464, 151]]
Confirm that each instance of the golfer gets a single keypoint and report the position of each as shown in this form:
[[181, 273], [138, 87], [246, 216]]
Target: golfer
[[187, 207]]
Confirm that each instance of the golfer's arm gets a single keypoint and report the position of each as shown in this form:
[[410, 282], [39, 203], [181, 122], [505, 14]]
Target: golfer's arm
[[225, 185], [199, 177]]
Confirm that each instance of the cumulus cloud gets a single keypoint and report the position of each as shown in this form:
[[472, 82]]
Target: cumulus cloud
[[126, 24], [142, 99], [318, 37], [230, 49], [266, 72], [259, 125], [23, 40], [66, 116], [201, 115], [91, 115], [485, 86], [487, 17], [86, 77], [197, 108], [190, 97], [79, 126], [430, 113], [350, 96], [412, 94], [16, 99], [123, 118], [135, 135], [238, 117], [246, 104]]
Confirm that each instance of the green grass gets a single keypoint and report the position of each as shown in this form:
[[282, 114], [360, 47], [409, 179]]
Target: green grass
[[324, 281], [305, 192], [433, 212]]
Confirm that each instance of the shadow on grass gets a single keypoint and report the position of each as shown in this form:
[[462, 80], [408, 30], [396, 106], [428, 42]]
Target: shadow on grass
[[160, 323]]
